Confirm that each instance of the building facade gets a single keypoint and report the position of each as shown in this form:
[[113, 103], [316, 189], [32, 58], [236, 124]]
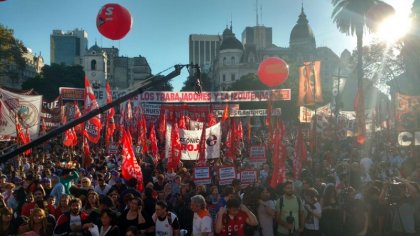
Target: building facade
[[236, 59], [68, 47], [15, 77], [203, 49]]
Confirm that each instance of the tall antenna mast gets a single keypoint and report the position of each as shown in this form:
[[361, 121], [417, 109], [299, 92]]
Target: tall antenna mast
[[256, 11], [261, 14]]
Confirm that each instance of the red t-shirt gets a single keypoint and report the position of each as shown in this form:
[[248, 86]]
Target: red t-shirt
[[234, 226], [27, 208]]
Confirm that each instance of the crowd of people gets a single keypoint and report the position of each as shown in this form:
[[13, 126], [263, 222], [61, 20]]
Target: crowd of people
[[343, 190]]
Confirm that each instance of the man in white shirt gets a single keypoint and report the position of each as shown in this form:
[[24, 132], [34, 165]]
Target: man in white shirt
[[102, 187], [202, 222], [166, 223]]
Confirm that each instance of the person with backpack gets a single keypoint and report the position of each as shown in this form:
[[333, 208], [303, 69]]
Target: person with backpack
[[166, 222], [231, 220], [290, 215]]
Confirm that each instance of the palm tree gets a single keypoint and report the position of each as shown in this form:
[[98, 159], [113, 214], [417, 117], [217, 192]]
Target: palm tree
[[350, 17]]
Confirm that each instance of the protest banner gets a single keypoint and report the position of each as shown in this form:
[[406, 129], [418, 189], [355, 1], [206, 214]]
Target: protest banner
[[202, 175], [226, 175]]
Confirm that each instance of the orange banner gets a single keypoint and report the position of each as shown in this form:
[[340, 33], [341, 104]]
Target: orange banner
[[310, 87]]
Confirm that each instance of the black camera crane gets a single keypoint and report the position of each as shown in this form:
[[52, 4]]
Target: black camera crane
[[138, 89]]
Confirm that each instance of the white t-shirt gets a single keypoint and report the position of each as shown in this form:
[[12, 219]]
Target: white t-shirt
[[164, 228], [265, 220], [202, 225], [312, 222]]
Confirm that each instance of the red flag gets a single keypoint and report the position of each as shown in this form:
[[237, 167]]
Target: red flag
[[202, 147], [300, 154], [231, 141], [269, 112], [28, 140], [68, 138], [211, 120], [86, 150], [110, 126], [162, 125], [93, 126], [130, 168], [181, 122], [279, 156], [142, 134], [74, 137], [239, 132], [19, 132], [175, 155], [77, 114], [226, 114], [153, 143]]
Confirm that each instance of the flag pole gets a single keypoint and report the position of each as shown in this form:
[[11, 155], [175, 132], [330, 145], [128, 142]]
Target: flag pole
[[138, 89]]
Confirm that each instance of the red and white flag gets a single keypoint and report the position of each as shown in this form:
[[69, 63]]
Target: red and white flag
[[130, 167], [142, 134], [175, 154], [86, 150], [77, 114], [110, 126], [153, 143], [93, 126]]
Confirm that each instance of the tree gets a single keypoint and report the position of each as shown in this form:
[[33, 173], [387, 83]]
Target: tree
[[11, 53], [55, 76], [167, 86], [350, 18], [411, 53], [189, 84], [382, 63]]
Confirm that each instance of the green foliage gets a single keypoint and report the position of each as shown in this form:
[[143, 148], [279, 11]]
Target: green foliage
[[252, 82], [55, 76], [189, 84], [167, 86], [11, 53]]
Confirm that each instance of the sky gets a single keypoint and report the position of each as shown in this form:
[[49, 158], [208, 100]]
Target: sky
[[161, 27]]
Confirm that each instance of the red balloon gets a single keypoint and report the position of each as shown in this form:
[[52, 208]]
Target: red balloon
[[273, 71], [113, 21], [360, 139]]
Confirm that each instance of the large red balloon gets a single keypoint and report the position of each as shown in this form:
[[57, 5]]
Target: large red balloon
[[273, 71], [113, 21]]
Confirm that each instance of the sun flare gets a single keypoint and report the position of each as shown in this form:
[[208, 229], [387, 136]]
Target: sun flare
[[393, 28]]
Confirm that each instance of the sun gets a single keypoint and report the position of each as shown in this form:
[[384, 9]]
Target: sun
[[393, 28]]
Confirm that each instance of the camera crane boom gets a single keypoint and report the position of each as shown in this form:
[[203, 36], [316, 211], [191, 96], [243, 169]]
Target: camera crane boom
[[138, 89]]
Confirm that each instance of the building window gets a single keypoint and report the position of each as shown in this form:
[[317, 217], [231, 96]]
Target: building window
[[224, 77], [232, 77], [224, 60], [232, 61], [93, 65]]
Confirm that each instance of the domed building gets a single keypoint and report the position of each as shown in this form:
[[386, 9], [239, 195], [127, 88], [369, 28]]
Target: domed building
[[236, 59]]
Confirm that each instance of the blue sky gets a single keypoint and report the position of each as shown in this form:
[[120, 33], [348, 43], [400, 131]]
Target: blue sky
[[161, 27]]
